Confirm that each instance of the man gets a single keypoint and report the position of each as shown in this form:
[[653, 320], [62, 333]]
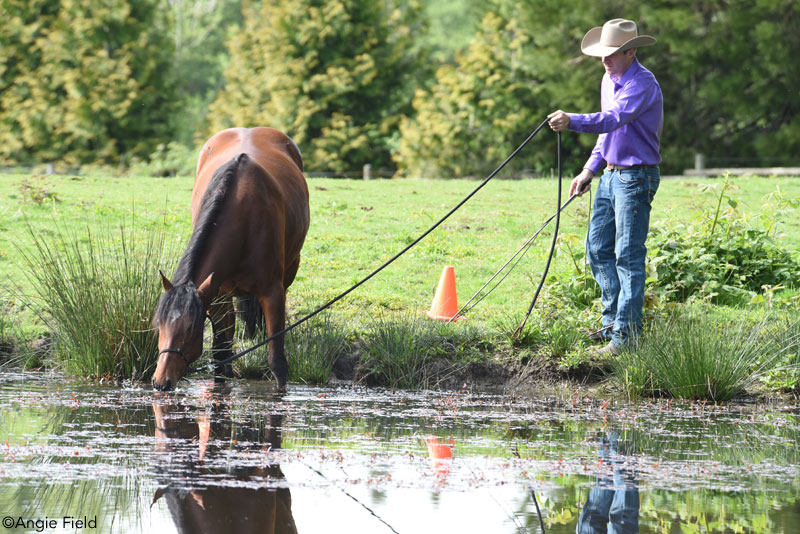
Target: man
[[630, 126]]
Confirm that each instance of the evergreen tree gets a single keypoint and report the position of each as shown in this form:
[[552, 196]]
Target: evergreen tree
[[479, 108], [335, 75], [84, 82], [198, 30]]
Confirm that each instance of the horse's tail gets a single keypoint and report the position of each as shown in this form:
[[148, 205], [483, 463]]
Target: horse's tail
[[251, 314]]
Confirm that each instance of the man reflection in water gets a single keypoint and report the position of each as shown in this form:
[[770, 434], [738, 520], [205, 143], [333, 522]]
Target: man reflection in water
[[186, 460], [613, 504]]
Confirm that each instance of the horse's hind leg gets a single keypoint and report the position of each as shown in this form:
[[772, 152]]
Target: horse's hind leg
[[274, 306], [224, 321]]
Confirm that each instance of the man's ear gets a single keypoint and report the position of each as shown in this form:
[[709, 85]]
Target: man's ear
[[164, 282]]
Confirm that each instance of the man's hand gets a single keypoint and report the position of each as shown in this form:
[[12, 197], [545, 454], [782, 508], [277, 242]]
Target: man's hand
[[558, 121], [581, 183]]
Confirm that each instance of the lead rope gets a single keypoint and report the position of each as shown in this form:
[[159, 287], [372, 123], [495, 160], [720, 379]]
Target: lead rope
[[393, 258], [466, 308], [518, 331]]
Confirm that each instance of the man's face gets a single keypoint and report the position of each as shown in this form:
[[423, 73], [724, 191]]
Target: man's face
[[618, 62]]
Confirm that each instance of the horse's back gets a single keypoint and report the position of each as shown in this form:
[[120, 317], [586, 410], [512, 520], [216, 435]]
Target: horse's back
[[271, 149]]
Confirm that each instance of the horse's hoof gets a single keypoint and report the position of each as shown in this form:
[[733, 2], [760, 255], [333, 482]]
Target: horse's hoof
[[225, 371]]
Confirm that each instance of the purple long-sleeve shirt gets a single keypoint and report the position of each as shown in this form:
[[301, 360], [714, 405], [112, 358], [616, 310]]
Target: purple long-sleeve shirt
[[631, 121]]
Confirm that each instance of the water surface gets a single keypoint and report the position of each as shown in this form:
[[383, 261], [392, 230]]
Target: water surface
[[235, 456]]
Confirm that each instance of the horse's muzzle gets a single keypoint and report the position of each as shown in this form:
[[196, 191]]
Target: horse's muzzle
[[163, 386]]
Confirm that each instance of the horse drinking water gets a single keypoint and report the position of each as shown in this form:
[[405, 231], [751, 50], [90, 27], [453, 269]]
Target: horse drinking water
[[249, 218]]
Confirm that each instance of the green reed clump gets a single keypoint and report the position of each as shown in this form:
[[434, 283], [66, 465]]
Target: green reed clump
[[311, 350], [98, 289], [697, 357], [7, 336], [397, 351], [461, 342], [786, 375], [532, 334], [313, 347]]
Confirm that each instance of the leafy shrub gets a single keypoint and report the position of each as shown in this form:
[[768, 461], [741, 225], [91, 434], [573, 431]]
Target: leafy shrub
[[37, 190], [725, 258], [170, 159]]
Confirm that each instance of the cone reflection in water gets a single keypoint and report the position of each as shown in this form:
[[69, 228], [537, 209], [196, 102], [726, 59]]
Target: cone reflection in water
[[445, 301], [441, 456]]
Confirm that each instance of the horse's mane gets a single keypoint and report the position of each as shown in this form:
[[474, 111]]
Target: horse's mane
[[213, 199], [181, 301]]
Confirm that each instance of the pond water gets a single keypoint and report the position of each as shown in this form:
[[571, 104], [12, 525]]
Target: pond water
[[235, 457]]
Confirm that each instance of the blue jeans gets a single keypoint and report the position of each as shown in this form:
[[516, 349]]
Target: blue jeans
[[613, 505], [615, 246]]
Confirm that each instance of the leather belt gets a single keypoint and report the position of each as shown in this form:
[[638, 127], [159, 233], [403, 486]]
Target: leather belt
[[613, 167]]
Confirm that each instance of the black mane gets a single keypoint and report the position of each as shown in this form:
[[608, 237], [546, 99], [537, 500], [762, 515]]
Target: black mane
[[213, 200], [181, 301]]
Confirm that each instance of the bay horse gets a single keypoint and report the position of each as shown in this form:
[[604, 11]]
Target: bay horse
[[250, 217]]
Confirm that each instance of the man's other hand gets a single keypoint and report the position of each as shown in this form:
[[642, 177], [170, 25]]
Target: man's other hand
[[581, 183]]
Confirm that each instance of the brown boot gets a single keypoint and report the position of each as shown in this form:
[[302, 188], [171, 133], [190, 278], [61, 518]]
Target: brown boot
[[609, 350]]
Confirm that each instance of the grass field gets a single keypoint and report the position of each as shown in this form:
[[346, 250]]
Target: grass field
[[357, 225]]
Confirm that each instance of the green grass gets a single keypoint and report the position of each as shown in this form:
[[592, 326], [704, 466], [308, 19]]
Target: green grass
[[357, 225], [700, 356]]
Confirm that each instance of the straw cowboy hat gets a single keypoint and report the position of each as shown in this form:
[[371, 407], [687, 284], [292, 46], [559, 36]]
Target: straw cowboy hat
[[615, 36]]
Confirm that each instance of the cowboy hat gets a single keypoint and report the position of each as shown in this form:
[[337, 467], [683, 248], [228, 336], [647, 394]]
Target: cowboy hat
[[615, 36]]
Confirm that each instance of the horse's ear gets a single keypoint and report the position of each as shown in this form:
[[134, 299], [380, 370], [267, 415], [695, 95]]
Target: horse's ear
[[206, 290], [159, 493], [164, 282]]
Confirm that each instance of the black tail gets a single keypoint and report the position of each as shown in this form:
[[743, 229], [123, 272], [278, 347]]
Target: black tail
[[251, 314]]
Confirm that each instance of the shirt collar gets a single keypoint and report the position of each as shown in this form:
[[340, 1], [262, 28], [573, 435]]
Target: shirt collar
[[627, 75]]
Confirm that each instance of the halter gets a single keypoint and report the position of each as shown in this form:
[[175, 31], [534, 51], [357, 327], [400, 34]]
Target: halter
[[179, 351]]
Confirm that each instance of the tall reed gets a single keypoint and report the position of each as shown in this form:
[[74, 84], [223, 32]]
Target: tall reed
[[7, 337], [695, 357], [398, 351], [98, 288]]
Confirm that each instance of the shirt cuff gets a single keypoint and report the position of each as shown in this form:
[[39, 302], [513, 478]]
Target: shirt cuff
[[576, 122], [595, 165]]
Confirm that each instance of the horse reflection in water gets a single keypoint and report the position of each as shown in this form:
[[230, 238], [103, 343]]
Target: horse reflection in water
[[203, 497]]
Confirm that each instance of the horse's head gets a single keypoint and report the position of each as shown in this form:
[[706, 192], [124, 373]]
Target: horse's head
[[179, 320]]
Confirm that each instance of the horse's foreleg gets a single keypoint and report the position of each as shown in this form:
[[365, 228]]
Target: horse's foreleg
[[274, 306], [224, 322]]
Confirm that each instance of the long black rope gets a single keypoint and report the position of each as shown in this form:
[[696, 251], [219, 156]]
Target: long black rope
[[518, 331], [538, 511], [393, 258], [518, 255]]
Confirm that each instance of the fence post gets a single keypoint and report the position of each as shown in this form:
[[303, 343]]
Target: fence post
[[367, 171], [699, 161]]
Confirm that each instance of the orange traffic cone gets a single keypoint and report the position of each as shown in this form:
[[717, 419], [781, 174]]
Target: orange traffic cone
[[445, 301], [439, 449], [441, 457]]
